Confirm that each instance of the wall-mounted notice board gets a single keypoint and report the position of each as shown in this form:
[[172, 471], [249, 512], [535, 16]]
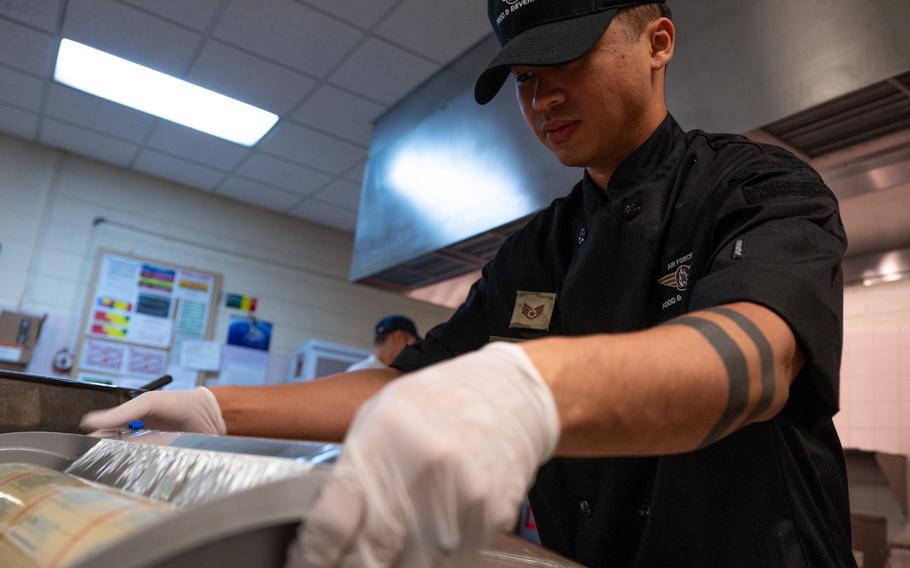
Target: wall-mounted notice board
[[138, 313]]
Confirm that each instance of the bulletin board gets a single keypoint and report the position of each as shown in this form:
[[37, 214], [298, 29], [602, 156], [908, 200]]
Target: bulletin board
[[138, 313]]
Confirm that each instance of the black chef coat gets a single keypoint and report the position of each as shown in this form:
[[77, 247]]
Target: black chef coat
[[689, 220]]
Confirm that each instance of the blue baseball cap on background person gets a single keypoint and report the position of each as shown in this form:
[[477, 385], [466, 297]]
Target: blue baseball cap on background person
[[544, 33], [392, 323]]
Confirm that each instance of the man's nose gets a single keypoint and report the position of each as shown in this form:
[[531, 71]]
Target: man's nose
[[547, 93]]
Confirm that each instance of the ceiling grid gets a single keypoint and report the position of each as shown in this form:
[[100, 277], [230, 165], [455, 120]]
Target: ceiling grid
[[328, 69]]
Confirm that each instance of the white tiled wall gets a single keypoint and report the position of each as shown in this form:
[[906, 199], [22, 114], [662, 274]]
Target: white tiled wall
[[875, 373], [49, 201], [875, 385]]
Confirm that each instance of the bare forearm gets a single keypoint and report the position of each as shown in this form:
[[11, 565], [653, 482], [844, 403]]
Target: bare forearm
[[315, 410], [672, 388]]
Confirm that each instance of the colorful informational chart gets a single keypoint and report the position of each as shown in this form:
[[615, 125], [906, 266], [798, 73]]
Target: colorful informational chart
[[157, 278], [139, 312], [113, 304]]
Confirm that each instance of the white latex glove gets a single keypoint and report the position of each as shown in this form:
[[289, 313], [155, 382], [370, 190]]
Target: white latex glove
[[434, 466], [175, 411]]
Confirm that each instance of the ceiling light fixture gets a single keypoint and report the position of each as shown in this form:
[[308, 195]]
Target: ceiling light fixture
[[139, 87]]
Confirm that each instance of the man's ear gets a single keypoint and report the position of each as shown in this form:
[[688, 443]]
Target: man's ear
[[662, 36]]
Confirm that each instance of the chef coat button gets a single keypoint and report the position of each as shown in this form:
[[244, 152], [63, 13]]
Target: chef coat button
[[644, 508], [582, 235], [585, 507], [630, 210]]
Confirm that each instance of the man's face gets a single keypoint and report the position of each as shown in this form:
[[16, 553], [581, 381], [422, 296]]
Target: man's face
[[584, 111], [393, 344]]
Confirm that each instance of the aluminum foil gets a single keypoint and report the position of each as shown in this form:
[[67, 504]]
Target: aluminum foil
[[179, 476]]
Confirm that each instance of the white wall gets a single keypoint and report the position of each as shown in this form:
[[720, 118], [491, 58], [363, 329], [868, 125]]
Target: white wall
[[296, 269], [875, 387], [875, 373]]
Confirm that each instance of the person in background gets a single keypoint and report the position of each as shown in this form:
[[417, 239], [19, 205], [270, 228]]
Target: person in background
[[393, 333]]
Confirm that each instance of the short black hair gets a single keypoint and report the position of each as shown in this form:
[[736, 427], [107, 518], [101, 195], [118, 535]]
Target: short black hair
[[384, 336], [638, 17]]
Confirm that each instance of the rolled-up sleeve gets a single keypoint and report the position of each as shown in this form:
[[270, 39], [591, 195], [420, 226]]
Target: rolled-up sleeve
[[778, 241]]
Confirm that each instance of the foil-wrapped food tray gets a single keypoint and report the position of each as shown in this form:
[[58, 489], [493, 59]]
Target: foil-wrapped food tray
[[38, 403], [251, 524]]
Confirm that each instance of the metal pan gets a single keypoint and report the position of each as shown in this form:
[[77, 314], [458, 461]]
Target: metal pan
[[37, 403]]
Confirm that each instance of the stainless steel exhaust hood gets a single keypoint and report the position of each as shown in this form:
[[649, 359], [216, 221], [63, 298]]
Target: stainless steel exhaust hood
[[448, 180]]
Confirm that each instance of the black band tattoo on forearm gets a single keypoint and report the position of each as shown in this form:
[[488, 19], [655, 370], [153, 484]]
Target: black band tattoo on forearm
[[737, 371], [765, 356]]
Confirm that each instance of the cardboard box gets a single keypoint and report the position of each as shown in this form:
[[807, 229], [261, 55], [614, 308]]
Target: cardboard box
[[18, 336]]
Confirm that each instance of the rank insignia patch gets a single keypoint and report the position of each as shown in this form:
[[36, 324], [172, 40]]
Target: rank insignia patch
[[533, 310]]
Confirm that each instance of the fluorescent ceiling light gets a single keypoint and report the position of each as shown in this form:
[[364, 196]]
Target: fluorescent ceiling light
[[121, 81]]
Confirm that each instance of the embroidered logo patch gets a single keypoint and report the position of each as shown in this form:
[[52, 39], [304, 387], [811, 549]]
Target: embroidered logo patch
[[533, 310], [679, 273], [678, 279]]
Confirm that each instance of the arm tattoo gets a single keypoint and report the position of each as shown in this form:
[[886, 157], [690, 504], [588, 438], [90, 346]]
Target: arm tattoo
[[765, 355], [737, 371]]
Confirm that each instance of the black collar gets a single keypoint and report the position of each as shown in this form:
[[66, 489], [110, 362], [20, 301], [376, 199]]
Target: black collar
[[643, 162]]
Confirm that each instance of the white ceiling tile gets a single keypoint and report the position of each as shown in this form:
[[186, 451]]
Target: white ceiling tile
[[288, 32], [355, 174], [26, 49], [196, 146], [131, 34], [363, 13], [311, 148], [195, 14], [292, 177], [438, 30], [382, 70], [341, 193], [39, 13], [266, 196], [248, 78], [20, 89], [174, 169], [86, 142], [96, 113], [325, 214], [341, 113], [16, 121]]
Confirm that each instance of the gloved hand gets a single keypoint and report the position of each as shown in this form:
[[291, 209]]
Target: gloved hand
[[434, 466], [176, 411]]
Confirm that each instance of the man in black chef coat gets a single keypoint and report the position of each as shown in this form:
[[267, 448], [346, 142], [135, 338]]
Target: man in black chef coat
[[679, 319]]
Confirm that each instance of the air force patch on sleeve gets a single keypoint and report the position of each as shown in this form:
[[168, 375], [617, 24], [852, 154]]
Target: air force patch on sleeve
[[533, 310], [678, 277]]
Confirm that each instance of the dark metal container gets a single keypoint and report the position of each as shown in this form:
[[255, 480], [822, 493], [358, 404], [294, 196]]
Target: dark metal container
[[38, 403]]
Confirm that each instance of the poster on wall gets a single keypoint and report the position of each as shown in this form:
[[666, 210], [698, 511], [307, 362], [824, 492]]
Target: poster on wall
[[115, 358], [133, 302], [195, 301], [247, 331], [148, 304], [243, 366], [200, 355], [139, 314]]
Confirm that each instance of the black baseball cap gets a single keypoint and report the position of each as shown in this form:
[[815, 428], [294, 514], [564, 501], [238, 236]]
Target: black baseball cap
[[544, 32], [392, 323]]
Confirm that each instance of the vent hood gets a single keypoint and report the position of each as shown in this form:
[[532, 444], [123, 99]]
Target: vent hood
[[447, 181], [866, 114]]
